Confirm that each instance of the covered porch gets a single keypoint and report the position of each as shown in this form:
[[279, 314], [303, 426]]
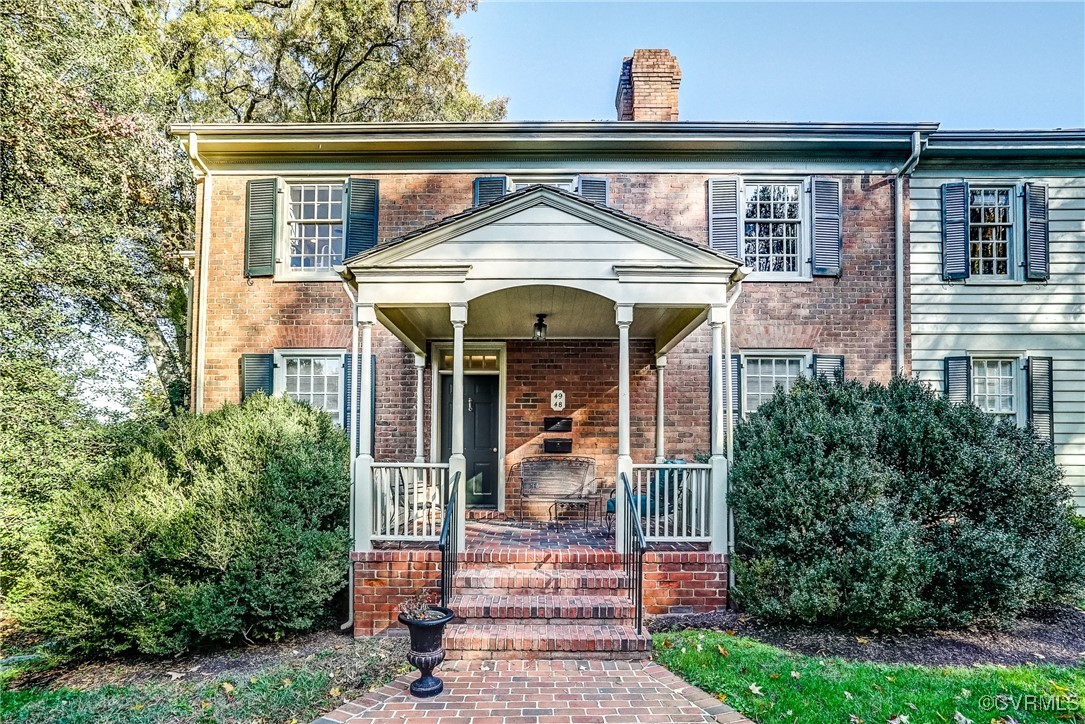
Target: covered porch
[[465, 295]]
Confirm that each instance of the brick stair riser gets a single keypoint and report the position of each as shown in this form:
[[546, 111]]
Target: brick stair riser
[[540, 560], [529, 586], [463, 655], [468, 641], [552, 609]]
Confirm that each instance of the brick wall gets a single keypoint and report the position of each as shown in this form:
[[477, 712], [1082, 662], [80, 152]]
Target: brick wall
[[384, 579]]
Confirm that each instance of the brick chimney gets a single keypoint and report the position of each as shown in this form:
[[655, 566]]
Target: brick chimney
[[648, 87]]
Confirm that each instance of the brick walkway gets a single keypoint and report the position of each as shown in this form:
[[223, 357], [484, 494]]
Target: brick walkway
[[520, 692]]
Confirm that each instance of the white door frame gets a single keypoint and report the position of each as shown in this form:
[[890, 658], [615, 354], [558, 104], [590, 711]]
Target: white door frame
[[437, 350]]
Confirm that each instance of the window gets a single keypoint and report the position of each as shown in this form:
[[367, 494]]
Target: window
[[315, 242], [990, 231], [994, 387], [563, 182], [772, 227], [315, 379], [763, 374]]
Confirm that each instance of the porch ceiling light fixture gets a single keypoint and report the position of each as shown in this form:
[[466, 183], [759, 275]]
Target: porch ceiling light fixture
[[539, 334]]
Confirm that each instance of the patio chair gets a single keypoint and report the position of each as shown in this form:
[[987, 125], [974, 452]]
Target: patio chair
[[659, 500], [410, 503]]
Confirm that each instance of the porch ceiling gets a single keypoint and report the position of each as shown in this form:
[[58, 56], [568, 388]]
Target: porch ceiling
[[570, 314]]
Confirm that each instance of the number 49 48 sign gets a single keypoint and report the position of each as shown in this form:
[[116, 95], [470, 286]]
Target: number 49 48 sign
[[557, 400]]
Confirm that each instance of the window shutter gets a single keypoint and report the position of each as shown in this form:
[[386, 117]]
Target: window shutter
[[736, 387], [261, 226], [958, 378], [362, 202], [828, 365], [1041, 396], [349, 404], [828, 234], [594, 188], [257, 374], [723, 215], [490, 188], [955, 231], [1037, 248]]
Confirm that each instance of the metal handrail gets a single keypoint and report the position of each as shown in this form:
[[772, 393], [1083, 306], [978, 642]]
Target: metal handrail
[[447, 541], [633, 553]]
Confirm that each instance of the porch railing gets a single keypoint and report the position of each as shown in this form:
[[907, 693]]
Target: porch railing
[[673, 501], [447, 543], [633, 553], [409, 501]]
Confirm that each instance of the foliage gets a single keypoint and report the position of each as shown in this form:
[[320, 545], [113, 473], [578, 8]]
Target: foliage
[[769, 684], [298, 690], [889, 506], [215, 528]]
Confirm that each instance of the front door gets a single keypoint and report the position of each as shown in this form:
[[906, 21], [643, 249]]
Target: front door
[[480, 408]]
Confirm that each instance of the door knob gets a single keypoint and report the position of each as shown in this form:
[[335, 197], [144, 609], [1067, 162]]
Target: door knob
[[495, 449]]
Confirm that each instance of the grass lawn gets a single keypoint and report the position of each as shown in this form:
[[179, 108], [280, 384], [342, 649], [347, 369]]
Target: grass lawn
[[768, 684], [254, 688]]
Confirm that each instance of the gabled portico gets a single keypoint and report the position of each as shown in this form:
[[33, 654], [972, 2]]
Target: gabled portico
[[484, 275]]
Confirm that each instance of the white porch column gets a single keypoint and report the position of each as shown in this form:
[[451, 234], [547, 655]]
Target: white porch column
[[419, 416], [717, 316], [661, 366], [457, 462], [623, 317], [363, 493]]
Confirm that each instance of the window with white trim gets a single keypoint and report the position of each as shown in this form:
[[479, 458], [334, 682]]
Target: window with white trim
[[314, 227], [991, 231], [315, 378], [564, 182], [995, 386], [764, 373], [772, 238]]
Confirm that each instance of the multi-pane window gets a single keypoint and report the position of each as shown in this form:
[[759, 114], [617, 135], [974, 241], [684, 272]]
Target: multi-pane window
[[316, 227], [763, 374], [315, 380], [990, 230], [772, 227], [994, 387]]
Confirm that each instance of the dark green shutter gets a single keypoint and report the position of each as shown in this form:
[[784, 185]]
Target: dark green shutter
[[1041, 396], [828, 366], [257, 374], [348, 404], [489, 188], [828, 232], [362, 202], [1037, 249], [955, 231], [261, 226], [724, 217], [594, 188], [958, 378]]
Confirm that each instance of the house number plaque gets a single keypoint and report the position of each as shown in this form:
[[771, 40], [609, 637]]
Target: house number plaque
[[557, 400]]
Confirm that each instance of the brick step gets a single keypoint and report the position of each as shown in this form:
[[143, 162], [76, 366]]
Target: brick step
[[538, 559], [529, 609], [544, 641], [511, 581]]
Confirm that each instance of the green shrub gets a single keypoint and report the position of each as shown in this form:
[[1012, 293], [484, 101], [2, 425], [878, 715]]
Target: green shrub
[[215, 528], [889, 506]]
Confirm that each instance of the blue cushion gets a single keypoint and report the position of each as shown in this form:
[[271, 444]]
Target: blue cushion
[[643, 502]]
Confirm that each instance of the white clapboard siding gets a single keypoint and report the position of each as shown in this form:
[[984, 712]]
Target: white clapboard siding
[[1036, 319]]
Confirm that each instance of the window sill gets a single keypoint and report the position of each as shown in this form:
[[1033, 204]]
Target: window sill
[[971, 282], [771, 277], [328, 276]]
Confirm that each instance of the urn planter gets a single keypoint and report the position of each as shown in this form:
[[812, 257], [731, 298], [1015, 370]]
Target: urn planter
[[427, 651]]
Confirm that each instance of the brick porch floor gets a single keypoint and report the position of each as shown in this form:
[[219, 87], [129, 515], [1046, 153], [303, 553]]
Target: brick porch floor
[[520, 692]]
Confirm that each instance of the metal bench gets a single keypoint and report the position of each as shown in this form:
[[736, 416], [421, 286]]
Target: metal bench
[[567, 481]]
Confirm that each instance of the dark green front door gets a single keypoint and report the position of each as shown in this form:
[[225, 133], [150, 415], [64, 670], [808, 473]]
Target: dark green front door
[[480, 420]]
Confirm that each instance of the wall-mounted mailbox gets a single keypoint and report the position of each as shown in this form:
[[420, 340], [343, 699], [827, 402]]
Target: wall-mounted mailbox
[[558, 424], [558, 445]]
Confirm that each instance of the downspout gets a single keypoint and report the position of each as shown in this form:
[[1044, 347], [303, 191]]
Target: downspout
[[352, 426], [898, 228], [729, 395], [200, 342]]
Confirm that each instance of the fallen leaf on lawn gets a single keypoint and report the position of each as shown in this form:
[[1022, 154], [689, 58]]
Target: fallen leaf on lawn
[[890, 678], [848, 695], [287, 682], [683, 649], [137, 707], [336, 692], [252, 680], [1058, 688], [668, 644], [721, 697], [878, 688], [205, 704], [897, 719], [961, 718], [756, 689], [174, 675], [966, 693], [912, 706], [862, 640], [795, 675], [723, 651], [852, 719], [699, 648], [227, 687], [730, 632], [774, 676]]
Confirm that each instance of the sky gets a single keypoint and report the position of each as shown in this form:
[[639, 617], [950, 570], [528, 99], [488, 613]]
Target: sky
[[964, 64]]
